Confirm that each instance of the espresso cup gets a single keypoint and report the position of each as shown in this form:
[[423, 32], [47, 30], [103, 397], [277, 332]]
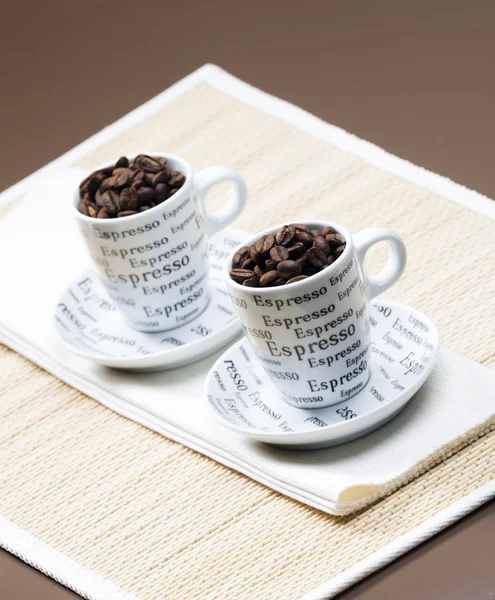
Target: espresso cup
[[313, 336], [154, 264]]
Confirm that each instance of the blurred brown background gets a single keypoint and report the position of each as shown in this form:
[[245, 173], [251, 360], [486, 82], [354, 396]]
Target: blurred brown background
[[415, 77]]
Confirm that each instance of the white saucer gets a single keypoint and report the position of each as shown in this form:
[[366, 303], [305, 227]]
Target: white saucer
[[91, 326], [401, 360]]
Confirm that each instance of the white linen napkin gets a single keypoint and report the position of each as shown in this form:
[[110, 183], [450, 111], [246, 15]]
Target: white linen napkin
[[41, 253]]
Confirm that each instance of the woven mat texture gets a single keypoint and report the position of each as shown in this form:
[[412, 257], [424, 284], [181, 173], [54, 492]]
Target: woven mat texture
[[164, 522]]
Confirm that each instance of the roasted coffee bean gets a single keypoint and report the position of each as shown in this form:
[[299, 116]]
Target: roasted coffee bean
[[321, 242], [91, 183], [123, 200], [265, 244], [122, 162], [241, 275], [316, 257], [259, 244], [296, 279], [115, 197], [328, 230], [335, 239], [161, 193], [133, 201], [295, 253], [162, 161], [268, 245], [296, 250], [145, 162], [108, 184], [145, 195], [288, 269], [248, 264], [148, 179], [301, 227], [240, 256], [143, 208], [285, 235], [253, 282], [103, 213], [161, 177], [255, 255], [122, 179], [127, 213], [269, 278], [110, 200], [279, 253], [172, 192], [176, 179], [304, 238]]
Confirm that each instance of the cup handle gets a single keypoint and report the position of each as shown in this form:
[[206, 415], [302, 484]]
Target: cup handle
[[363, 241], [204, 181]]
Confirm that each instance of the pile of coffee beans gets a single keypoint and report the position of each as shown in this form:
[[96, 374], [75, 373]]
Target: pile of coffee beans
[[293, 254], [127, 188]]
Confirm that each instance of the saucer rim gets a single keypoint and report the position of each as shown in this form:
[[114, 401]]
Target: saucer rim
[[180, 354], [319, 434]]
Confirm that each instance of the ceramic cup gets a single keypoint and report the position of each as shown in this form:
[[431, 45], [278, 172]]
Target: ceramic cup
[[313, 337], [154, 265]]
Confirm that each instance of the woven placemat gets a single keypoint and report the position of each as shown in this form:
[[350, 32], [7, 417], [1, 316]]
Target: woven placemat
[[158, 520]]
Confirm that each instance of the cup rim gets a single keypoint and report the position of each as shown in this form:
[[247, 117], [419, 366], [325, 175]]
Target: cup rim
[[171, 202], [299, 284]]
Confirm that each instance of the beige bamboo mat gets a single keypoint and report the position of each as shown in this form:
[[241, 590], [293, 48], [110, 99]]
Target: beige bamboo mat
[[162, 521]]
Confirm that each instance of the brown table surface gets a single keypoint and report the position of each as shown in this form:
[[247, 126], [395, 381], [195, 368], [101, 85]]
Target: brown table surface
[[416, 78]]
